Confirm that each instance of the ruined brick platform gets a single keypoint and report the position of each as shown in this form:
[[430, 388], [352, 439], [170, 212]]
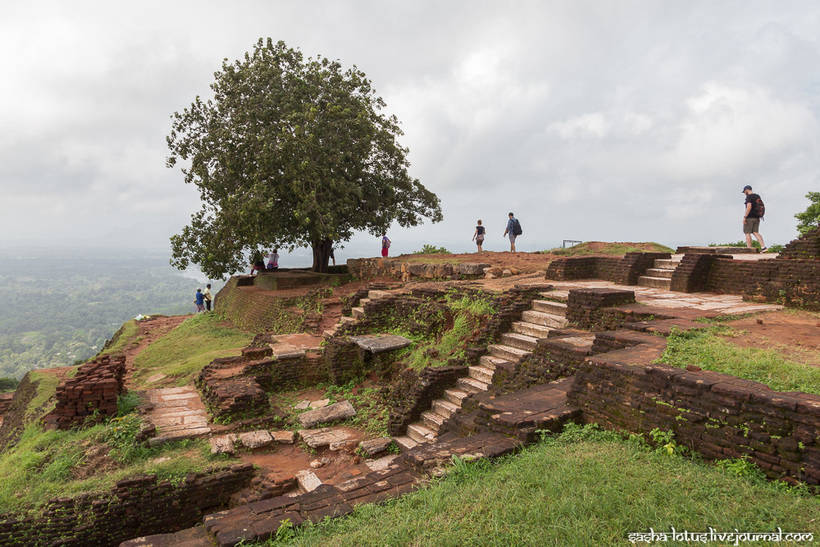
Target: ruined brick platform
[[92, 391], [176, 413]]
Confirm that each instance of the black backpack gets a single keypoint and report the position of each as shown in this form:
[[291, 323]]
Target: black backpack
[[517, 227], [758, 207]]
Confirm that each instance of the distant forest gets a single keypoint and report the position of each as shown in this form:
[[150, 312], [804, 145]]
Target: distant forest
[[55, 312]]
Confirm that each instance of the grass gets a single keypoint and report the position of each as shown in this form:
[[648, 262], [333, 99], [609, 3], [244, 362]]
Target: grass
[[45, 464], [184, 351], [707, 349], [583, 487], [46, 387], [127, 334], [593, 248]]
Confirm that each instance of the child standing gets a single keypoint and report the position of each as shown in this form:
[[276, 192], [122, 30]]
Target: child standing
[[478, 236], [385, 245], [199, 300]]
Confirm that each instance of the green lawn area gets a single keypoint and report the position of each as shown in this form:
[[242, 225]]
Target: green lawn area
[[584, 487], [184, 351], [123, 337], [597, 248], [707, 349]]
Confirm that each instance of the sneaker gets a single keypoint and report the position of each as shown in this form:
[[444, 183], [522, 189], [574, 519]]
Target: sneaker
[[764, 249]]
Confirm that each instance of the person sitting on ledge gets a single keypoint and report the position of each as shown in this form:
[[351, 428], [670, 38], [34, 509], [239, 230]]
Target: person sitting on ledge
[[273, 260], [257, 263]]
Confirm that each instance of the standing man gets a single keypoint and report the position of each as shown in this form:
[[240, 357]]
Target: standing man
[[751, 218], [513, 231], [199, 301], [208, 297]]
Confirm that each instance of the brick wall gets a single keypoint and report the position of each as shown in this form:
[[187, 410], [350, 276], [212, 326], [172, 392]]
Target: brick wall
[[135, 507], [692, 272], [93, 391], [624, 270], [369, 268], [413, 393], [584, 306], [794, 282], [717, 415], [805, 247], [551, 360]]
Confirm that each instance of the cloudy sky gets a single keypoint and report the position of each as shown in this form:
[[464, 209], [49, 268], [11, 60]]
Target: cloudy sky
[[617, 121]]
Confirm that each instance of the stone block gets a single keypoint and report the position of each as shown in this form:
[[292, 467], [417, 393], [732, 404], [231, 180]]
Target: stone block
[[471, 268], [308, 480], [320, 403], [223, 444], [381, 342], [332, 413], [372, 447], [283, 437], [255, 439], [317, 438]]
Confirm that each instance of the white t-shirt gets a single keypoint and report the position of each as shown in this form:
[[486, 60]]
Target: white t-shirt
[[273, 260]]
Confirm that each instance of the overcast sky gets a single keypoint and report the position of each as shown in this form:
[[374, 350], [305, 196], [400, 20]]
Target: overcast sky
[[616, 121]]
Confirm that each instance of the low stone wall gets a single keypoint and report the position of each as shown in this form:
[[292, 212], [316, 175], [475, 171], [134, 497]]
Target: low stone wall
[[717, 415], [623, 270], [369, 268], [585, 306], [135, 507], [794, 282], [551, 360], [414, 392], [805, 247], [92, 392], [692, 272]]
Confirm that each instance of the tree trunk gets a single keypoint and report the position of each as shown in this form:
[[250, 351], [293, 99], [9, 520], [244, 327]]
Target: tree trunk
[[321, 254]]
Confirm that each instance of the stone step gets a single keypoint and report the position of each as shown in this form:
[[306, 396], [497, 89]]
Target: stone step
[[491, 362], [358, 312], [445, 407], [374, 294], [363, 301], [531, 329], [544, 319], [482, 374], [343, 320], [455, 395], [660, 272], [432, 420], [520, 341], [550, 306], [405, 442], [471, 385], [507, 352], [420, 433], [667, 263], [556, 296], [655, 282]]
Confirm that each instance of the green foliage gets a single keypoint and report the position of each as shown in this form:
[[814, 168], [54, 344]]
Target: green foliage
[[290, 152], [584, 486], [63, 313], [127, 403], [122, 338], [8, 384], [706, 349], [428, 249], [809, 219], [597, 248], [45, 390], [183, 352]]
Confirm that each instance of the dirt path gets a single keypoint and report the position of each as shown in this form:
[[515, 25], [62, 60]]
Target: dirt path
[[148, 332], [794, 334]]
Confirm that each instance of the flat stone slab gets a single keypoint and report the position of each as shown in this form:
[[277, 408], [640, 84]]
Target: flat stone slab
[[317, 438], [255, 439], [471, 268], [308, 480], [320, 403], [382, 463], [283, 437], [331, 413], [378, 343], [223, 444], [372, 447], [304, 404]]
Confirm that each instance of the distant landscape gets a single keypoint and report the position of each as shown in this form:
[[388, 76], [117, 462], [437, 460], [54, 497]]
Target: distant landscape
[[56, 311]]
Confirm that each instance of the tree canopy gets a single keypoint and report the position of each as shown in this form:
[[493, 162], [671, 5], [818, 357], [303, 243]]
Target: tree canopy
[[809, 219], [289, 152]]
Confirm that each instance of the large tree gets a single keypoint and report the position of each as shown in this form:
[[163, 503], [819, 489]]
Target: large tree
[[290, 152]]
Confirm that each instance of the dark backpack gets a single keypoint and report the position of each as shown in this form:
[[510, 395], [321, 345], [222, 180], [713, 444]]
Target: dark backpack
[[517, 227], [758, 207]]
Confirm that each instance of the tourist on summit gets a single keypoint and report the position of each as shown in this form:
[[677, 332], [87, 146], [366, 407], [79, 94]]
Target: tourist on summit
[[751, 218], [199, 300], [385, 245], [273, 260], [478, 235], [513, 231], [257, 262], [208, 297]]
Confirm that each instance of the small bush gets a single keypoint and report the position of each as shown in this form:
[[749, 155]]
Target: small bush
[[428, 249]]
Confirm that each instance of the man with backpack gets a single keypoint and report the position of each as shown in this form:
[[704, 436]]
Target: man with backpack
[[752, 217], [513, 230]]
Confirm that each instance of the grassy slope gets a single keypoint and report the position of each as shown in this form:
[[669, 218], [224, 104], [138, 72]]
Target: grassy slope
[[706, 349], [127, 334], [596, 248], [193, 344], [582, 488]]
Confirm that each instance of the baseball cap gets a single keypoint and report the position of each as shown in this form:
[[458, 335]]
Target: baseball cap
[[747, 187]]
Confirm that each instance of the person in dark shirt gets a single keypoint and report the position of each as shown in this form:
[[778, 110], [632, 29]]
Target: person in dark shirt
[[478, 236], [751, 219]]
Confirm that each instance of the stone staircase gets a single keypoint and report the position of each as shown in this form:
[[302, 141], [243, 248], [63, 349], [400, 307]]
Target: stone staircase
[[358, 311], [660, 275], [536, 323]]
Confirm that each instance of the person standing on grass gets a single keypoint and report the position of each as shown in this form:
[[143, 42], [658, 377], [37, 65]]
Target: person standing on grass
[[199, 300], [385, 245], [208, 297], [478, 236], [752, 217], [513, 231]]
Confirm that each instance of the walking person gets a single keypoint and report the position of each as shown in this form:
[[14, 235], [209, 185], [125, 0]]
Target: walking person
[[208, 297], [751, 218], [478, 235], [513, 231], [199, 300], [385, 245]]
